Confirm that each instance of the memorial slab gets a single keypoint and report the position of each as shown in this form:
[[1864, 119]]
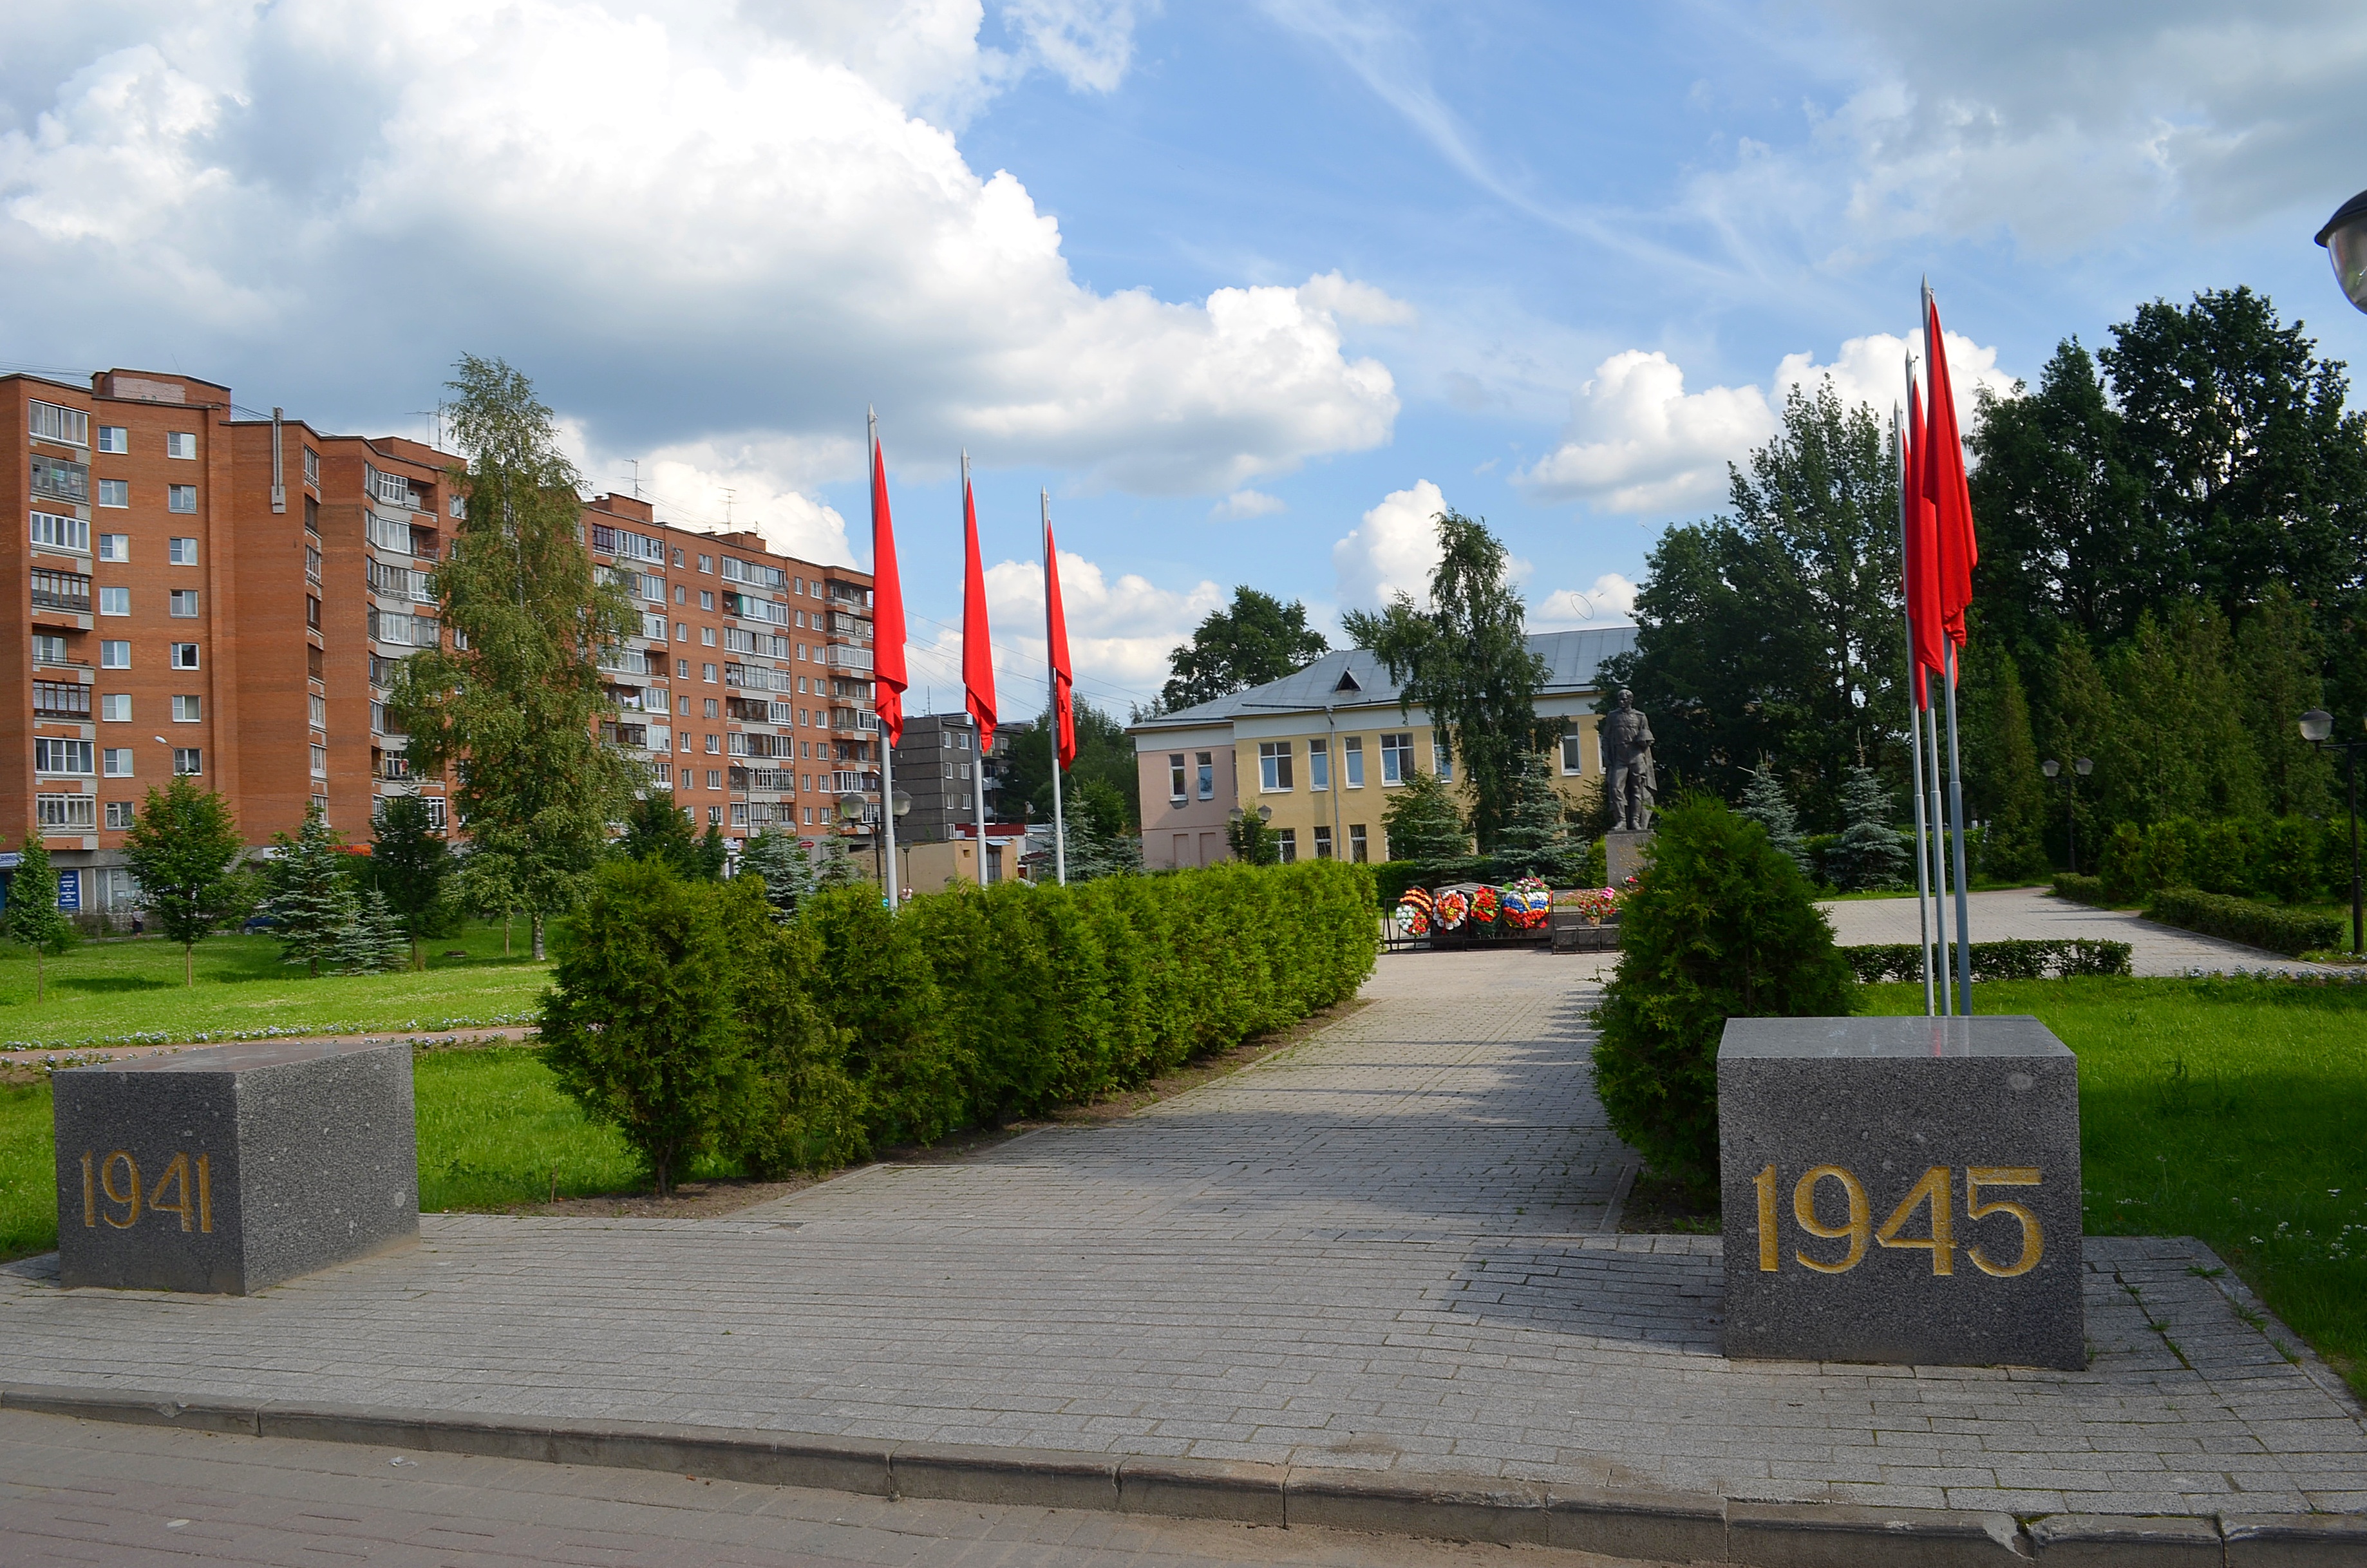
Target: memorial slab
[[1622, 855], [229, 1169], [1901, 1190]]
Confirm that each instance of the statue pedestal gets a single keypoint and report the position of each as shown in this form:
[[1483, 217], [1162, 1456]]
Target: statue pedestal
[[1623, 855]]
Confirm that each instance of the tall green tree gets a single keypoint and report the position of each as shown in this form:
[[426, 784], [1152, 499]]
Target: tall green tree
[[1868, 853], [1765, 803], [372, 941], [34, 917], [1105, 757], [1466, 660], [2278, 656], [657, 829], [1538, 838], [412, 866], [1255, 639], [2178, 745], [311, 898], [182, 849], [2003, 788], [514, 704], [1424, 825]]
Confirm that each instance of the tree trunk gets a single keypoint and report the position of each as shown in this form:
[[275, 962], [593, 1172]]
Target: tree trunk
[[415, 961], [507, 917], [537, 919], [188, 965], [38, 974]]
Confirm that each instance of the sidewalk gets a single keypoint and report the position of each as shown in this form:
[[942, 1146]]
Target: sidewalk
[[2039, 916], [1390, 1249]]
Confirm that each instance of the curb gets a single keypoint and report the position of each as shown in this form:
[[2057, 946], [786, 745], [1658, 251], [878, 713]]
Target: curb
[[1614, 1521]]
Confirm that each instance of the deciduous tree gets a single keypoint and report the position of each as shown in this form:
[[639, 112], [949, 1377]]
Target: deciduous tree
[[34, 917], [1255, 639], [182, 849]]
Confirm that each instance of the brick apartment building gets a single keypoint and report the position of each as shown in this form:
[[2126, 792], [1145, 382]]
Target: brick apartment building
[[226, 596]]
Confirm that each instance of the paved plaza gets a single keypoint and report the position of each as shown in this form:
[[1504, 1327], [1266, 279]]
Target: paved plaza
[[2035, 916], [1390, 1249]]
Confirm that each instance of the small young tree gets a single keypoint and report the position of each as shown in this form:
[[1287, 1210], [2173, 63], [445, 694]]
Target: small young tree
[[1424, 825], [1868, 853], [643, 1023], [487, 883], [312, 896], [657, 829], [412, 865], [1251, 841], [1537, 838], [1765, 802], [182, 850], [372, 941], [787, 869], [1101, 841], [1721, 926], [34, 917], [714, 853], [838, 866]]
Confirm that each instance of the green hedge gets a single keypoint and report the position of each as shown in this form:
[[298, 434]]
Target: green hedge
[[851, 1028], [2083, 889], [2010, 960], [2293, 859], [2288, 931]]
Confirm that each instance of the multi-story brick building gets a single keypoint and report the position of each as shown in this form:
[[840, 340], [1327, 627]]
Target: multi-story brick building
[[228, 598]]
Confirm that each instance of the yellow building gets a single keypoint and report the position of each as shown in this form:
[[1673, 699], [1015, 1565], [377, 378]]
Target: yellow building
[[1323, 749]]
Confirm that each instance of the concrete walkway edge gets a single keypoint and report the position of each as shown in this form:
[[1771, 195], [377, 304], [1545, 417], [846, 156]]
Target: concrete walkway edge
[[1671, 1527]]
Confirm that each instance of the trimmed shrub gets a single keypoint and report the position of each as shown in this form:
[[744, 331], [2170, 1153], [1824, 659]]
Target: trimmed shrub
[[2010, 959], [1391, 878], [1722, 925], [2082, 890], [2290, 854], [2289, 931]]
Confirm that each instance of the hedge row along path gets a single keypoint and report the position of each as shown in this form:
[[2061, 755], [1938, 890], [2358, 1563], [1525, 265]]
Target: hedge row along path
[[2037, 915], [1391, 1249]]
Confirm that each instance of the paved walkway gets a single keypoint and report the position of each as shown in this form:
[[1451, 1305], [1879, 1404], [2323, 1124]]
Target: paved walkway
[[1388, 1248], [2029, 913]]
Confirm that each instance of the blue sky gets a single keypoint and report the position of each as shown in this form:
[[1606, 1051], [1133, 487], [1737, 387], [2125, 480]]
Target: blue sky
[[1251, 286]]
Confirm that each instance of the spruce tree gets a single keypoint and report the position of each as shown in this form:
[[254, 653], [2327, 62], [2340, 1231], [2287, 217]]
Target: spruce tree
[[1765, 802], [1424, 825], [787, 869], [412, 865], [311, 900], [1868, 854], [34, 917], [1537, 838], [372, 940]]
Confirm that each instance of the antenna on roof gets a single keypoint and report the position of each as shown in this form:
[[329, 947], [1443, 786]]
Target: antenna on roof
[[728, 494], [637, 477]]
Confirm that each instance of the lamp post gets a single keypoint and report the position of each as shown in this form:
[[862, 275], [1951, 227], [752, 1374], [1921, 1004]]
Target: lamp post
[[2081, 769], [2317, 729], [2345, 239]]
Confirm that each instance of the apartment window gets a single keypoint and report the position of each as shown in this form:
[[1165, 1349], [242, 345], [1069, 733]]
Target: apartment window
[[181, 551], [114, 547], [114, 708], [56, 476], [738, 814], [1318, 765], [62, 756], [113, 654], [706, 599], [188, 709], [1175, 778], [189, 761], [436, 808], [1203, 766], [707, 673], [61, 590], [120, 814], [183, 602], [714, 778], [114, 437], [1573, 758], [1351, 761], [1323, 844], [312, 563], [1397, 758], [714, 744], [1443, 759], [115, 493], [115, 601], [714, 709], [681, 594], [181, 444], [66, 813], [1287, 839], [115, 762], [320, 762], [706, 564], [49, 648], [706, 635], [185, 655], [72, 535], [312, 467], [1274, 766], [51, 423], [180, 498], [677, 557], [1356, 843], [311, 609], [61, 700], [686, 779]]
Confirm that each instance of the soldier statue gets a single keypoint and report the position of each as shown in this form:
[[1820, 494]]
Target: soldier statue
[[1627, 765]]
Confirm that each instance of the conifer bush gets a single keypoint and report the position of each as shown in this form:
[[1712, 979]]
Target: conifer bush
[[1722, 925]]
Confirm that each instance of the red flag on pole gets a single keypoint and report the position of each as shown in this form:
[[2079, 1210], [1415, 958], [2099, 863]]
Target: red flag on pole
[[978, 642], [887, 605], [1055, 629], [1923, 618], [1943, 484]]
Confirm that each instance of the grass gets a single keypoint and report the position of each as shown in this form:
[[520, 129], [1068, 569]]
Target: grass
[[2226, 1109], [106, 990], [28, 1177]]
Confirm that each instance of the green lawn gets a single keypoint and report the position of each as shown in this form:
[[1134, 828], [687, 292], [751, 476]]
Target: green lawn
[[2228, 1109], [108, 990]]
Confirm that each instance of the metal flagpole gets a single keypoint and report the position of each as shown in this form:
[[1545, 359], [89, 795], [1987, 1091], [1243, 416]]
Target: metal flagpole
[[887, 747], [1937, 849], [1914, 728], [1956, 817], [1052, 684], [978, 769]]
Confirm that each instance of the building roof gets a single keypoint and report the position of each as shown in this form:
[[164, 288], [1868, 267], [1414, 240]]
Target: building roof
[[1355, 677]]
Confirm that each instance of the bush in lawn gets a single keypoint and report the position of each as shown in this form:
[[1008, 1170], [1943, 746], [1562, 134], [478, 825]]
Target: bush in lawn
[[642, 1024], [2290, 931], [2082, 890], [2121, 865], [34, 917], [2228, 856], [1722, 925]]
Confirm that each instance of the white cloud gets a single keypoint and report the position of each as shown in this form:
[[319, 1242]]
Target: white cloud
[[676, 221], [1243, 503], [1394, 549], [1610, 602], [1637, 442]]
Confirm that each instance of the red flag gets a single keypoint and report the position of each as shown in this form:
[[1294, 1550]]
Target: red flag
[[1056, 630], [978, 642], [887, 607], [1943, 484], [1919, 556]]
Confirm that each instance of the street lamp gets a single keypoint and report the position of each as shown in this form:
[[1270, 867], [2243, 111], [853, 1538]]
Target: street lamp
[[2317, 729], [2345, 239]]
